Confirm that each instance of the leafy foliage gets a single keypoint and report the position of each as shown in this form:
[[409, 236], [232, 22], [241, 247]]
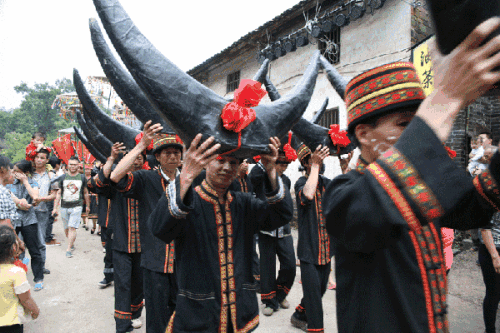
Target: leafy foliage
[[34, 115]]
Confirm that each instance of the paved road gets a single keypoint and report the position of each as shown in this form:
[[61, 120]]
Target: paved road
[[72, 302]]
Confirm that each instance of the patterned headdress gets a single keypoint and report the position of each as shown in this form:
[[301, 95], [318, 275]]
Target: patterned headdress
[[166, 140], [303, 151], [382, 90]]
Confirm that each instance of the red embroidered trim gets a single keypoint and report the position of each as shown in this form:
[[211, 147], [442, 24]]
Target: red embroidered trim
[[271, 295], [170, 326], [107, 213], [413, 184], [130, 180], [407, 213], [483, 192]]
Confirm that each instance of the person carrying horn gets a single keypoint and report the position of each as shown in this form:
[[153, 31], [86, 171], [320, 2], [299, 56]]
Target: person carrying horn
[[213, 228], [385, 216]]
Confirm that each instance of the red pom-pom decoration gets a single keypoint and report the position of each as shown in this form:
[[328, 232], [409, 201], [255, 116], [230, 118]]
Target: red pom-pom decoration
[[138, 139], [238, 114], [451, 152], [146, 166], [290, 153], [256, 158], [178, 139], [338, 137]]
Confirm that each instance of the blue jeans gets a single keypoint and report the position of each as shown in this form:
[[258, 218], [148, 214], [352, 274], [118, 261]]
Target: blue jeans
[[32, 241], [43, 219]]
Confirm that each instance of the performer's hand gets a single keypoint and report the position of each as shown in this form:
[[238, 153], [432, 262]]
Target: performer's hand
[[198, 156], [149, 133], [461, 77], [116, 150], [319, 155], [496, 264], [269, 160], [21, 177]]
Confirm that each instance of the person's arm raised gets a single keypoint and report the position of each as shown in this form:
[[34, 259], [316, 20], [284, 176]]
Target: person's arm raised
[[116, 150], [269, 161], [461, 77], [126, 162], [196, 158], [316, 161]]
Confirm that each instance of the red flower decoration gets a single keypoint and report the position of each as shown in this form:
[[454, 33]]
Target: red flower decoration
[[146, 166], [290, 153], [138, 139], [178, 139], [338, 137], [238, 114], [451, 152]]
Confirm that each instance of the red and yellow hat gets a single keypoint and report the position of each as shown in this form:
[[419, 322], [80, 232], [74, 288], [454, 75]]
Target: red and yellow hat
[[303, 151], [382, 90], [163, 141]]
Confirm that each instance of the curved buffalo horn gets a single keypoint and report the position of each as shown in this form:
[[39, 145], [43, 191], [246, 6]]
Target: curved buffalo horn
[[115, 131], [182, 100], [96, 138], [319, 114], [308, 132], [338, 82], [93, 150], [123, 83], [262, 72]]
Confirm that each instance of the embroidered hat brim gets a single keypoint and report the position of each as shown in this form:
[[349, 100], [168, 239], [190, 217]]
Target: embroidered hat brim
[[382, 90]]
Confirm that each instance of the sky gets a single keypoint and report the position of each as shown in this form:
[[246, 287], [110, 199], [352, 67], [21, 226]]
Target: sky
[[43, 40]]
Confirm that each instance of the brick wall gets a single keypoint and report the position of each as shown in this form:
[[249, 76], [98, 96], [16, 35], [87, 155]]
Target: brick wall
[[421, 26]]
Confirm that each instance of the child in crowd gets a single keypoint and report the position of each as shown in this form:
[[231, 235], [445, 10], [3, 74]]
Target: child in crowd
[[15, 294], [36, 144]]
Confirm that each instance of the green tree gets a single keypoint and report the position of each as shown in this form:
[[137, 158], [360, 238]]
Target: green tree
[[35, 113], [16, 143]]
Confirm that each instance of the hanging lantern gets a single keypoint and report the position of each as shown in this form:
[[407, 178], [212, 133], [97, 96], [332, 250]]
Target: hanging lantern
[[290, 45], [302, 41], [357, 11], [279, 51], [376, 4], [341, 20], [316, 31], [327, 26], [261, 58]]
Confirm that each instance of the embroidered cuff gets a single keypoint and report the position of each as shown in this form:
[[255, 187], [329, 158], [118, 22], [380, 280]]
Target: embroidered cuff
[[101, 180], [278, 194], [173, 205], [22, 288], [487, 187], [125, 184]]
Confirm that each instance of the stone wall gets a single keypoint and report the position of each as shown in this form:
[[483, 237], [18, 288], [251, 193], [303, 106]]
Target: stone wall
[[421, 24]]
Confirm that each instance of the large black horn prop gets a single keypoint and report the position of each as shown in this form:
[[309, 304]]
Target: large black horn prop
[[182, 100], [123, 83], [112, 129], [338, 82], [93, 150], [96, 138]]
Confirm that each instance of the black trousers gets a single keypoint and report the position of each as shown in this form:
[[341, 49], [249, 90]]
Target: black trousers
[[492, 282], [50, 223], [12, 329], [160, 292], [108, 257], [274, 290], [129, 295], [255, 259], [314, 283], [32, 240]]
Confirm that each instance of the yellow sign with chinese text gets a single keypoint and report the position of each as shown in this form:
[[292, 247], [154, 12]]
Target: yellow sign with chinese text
[[423, 64]]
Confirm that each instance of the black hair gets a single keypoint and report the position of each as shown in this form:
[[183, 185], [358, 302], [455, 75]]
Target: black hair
[[74, 158], [24, 166], [38, 135], [53, 161], [7, 240], [487, 133], [44, 151], [4, 162]]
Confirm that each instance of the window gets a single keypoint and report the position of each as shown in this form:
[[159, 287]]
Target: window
[[329, 45], [233, 81], [330, 117]]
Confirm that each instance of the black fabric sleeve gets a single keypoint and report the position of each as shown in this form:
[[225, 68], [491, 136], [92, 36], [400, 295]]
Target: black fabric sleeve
[[132, 185], [168, 219]]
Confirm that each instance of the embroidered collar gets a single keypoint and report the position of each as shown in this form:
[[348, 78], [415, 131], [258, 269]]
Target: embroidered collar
[[210, 191], [167, 178], [361, 165]]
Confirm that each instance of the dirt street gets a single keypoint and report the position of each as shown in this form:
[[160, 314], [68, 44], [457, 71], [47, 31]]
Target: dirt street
[[72, 302]]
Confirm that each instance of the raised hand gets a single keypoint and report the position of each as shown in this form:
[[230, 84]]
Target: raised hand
[[149, 133], [271, 158], [117, 149], [319, 155]]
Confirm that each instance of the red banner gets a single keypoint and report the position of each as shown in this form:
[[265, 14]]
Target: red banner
[[63, 148]]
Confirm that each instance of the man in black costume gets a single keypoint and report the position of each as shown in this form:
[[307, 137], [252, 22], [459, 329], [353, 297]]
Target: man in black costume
[[385, 216], [213, 229]]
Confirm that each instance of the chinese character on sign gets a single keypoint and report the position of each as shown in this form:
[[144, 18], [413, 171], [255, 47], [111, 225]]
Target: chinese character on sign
[[423, 64]]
